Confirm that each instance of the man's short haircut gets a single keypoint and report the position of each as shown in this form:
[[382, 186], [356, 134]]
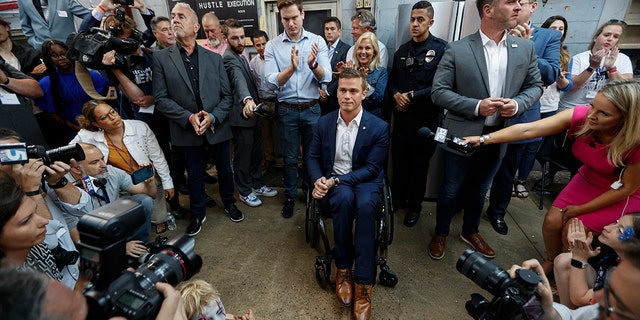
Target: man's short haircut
[[259, 33], [335, 20], [6, 134], [350, 73], [287, 3], [481, 4], [424, 5], [231, 23], [157, 19], [366, 19], [22, 294], [186, 6]]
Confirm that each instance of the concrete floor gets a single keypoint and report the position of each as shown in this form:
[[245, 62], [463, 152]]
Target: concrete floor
[[264, 263]]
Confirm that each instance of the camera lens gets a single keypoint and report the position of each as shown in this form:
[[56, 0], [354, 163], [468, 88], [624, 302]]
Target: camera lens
[[175, 263], [483, 272], [64, 154]]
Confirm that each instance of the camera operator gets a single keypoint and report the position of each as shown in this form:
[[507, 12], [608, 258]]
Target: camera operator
[[102, 184], [617, 300], [33, 296], [61, 232]]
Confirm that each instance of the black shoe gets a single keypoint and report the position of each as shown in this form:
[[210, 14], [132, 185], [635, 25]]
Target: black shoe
[[234, 213], [209, 179], [499, 225], [210, 202], [287, 210], [182, 188], [195, 226], [411, 218]]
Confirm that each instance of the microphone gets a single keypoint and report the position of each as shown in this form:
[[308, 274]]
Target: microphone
[[452, 142], [100, 182], [425, 132]]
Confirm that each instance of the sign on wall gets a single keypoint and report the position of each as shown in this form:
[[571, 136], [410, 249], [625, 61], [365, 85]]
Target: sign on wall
[[245, 11]]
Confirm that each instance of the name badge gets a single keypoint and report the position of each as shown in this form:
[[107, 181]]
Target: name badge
[[62, 14], [9, 98]]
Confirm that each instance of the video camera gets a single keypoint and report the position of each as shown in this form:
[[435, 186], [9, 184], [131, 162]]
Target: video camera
[[116, 292], [88, 47], [514, 298], [19, 153]]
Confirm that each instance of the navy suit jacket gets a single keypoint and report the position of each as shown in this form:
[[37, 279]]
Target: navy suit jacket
[[340, 54], [369, 150], [242, 86], [547, 44]]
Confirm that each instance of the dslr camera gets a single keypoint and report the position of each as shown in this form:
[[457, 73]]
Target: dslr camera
[[19, 153], [115, 291], [514, 298]]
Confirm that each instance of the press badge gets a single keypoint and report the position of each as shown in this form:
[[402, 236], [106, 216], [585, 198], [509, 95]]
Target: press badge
[[9, 98]]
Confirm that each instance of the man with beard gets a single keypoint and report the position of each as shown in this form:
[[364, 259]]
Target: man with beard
[[104, 183], [248, 149], [191, 87]]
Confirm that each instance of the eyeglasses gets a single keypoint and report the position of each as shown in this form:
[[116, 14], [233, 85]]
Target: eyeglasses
[[112, 113], [607, 305], [618, 21]]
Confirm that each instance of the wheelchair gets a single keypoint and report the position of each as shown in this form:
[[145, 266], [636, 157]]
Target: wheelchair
[[316, 234]]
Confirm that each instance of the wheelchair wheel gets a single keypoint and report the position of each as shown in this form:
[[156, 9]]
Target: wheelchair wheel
[[311, 222], [322, 278], [388, 211], [387, 277]]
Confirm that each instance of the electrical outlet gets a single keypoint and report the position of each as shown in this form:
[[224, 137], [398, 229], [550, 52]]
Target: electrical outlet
[[359, 4], [367, 4]]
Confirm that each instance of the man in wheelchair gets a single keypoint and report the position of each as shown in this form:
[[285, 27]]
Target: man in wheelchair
[[346, 160]]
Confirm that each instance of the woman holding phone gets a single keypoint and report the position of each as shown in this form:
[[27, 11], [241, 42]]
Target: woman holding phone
[[126, 144]]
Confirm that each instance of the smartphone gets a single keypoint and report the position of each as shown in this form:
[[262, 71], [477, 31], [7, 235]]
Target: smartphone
[[13, 153], [142, 174], [123, 2]]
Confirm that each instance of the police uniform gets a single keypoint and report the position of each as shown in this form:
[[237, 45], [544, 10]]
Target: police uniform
[[414, 66]]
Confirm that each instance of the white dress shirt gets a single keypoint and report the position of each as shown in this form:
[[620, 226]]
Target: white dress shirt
[[345, 140]]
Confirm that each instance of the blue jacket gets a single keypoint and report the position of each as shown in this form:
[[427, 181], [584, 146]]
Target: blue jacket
[[58, 26]]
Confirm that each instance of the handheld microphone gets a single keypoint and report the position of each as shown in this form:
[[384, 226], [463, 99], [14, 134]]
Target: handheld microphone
[[425, 132], [452, 142]]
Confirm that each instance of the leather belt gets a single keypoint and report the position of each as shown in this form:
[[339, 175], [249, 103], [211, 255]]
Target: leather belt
[[298, 106], [268, 100]]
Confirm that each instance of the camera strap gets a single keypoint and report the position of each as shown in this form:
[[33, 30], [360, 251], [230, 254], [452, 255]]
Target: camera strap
[[86, 82]]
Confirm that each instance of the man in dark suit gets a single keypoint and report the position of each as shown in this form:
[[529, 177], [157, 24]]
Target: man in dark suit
[[191, 87], [346, 161], [248, 150], [522, 154], [482, 80], [337, 53]]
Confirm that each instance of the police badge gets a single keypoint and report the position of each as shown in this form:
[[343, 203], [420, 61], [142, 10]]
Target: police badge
[[429, 56]]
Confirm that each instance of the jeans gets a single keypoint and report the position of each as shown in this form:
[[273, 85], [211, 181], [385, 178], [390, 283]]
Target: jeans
[[296, 126], [195, 160], [143, 232], [466, 180]]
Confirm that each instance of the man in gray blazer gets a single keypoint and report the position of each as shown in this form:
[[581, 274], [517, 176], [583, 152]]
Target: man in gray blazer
[[190, 87], [51, 21], [482, 80], [248, 149]]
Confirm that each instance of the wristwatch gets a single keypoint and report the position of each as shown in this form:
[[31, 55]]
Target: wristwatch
[[590, 69], [63, 182], [579, 264], [484, 138]]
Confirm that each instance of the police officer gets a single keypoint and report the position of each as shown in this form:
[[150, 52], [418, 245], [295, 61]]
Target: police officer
[[414, 65]]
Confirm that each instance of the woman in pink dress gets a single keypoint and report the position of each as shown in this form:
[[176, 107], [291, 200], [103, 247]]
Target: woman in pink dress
[[607, 141]]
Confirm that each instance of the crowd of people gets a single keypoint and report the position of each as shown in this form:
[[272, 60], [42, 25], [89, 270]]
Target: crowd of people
[[184, 105]]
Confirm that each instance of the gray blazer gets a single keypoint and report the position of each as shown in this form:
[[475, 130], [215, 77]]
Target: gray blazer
[[242, 85], [59, 24], [175, 98], [461, 80]]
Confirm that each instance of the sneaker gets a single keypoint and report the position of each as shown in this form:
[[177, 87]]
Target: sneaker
[[265, 192], [287, 210], [195, 226], [251, 200], [234, 213]]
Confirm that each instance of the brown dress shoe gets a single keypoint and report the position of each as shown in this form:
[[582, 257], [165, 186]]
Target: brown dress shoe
[[362, 302], [436, 247], [477, 243], [344, 286]]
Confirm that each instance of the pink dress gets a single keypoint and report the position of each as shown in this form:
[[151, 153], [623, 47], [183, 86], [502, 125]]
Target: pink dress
[[595, 177]]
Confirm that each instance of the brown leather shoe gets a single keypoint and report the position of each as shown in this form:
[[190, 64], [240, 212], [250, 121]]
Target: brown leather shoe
[[477, 243], [362, 302], [344, 286], [436, 247]]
